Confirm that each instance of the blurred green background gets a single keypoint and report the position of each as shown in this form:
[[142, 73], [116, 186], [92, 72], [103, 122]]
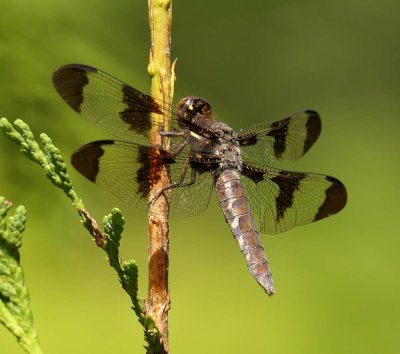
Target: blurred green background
[[255, 61]]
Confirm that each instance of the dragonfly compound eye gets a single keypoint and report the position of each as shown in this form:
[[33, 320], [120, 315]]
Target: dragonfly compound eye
[[189, 107]]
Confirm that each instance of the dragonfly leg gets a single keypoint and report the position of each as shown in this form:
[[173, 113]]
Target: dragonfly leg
[[175, 134], [172, 134], [179, 183], [177, 148]]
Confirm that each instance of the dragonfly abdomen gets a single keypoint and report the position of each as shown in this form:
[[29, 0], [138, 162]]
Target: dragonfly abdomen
[[238, 215]]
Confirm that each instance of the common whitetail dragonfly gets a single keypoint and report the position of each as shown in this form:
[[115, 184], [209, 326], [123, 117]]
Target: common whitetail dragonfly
[[204, 153]]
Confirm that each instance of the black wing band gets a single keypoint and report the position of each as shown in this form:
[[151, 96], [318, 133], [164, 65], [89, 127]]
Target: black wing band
[[284, 140], [129, 171]]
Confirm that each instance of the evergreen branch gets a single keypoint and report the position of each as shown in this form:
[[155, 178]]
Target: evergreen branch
[[113, 225], [15, 311], [51, 160]]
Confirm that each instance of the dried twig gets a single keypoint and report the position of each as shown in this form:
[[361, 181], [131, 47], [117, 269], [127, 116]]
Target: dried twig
[[162, 77]]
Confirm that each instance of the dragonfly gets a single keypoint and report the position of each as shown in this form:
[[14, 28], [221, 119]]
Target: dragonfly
[[202, 154]]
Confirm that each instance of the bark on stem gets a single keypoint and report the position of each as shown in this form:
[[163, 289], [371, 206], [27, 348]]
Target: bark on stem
[[162, 79]]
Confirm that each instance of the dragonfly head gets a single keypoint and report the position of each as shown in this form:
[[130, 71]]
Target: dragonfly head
[[192, 106]]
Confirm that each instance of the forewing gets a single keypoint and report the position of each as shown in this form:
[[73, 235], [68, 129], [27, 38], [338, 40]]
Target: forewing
[[108, 102], [124, 169], [282, 199], [280, 141]]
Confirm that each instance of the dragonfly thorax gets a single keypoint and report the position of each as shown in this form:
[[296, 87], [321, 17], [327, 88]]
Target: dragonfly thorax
[[227, 147]]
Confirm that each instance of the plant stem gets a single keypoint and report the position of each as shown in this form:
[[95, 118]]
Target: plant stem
[[162, 78]]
